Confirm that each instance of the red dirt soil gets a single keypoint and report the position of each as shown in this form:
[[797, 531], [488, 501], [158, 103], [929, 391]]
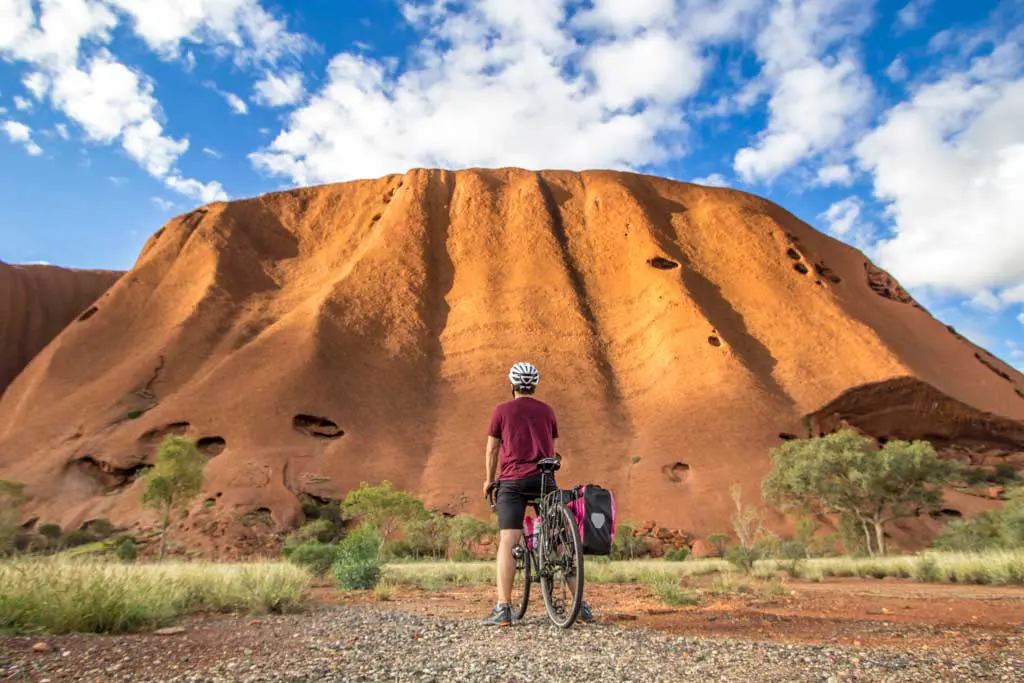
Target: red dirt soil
[[889, 612], [36, 303], [324, 336]]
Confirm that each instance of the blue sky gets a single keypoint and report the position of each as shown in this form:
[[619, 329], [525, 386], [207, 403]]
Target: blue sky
[[893, 125]]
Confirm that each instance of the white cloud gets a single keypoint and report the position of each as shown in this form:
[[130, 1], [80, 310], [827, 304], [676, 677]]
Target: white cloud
[[913, 13], [511, 84], [36, 83], [819, 90], [987, 300], [627, 15], [22, 103], [836, 174], [653, 66], [279, 91], [713, 180], [204, 192], [163, 204], [243, 26], [62, 131], [948, 165], [843, 216], [19, 132], [236, 103], [1014, 295], [211, 152], [1020, 318], [897, 71]]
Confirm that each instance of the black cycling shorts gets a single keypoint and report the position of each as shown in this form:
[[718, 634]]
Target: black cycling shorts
[[513, 497]]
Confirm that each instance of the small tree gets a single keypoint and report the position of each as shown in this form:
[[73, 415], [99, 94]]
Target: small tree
[[176, 478], [844, 474], [627, 545], [718, 541], [12, 497], [746, 520], [427, 534], [465, 530], [382, 508]]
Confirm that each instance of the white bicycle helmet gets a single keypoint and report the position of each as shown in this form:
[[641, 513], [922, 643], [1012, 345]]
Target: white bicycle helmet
[[523, 375]]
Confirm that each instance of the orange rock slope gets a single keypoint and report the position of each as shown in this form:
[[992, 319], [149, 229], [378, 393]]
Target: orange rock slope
[[320, 337], [36, 303]]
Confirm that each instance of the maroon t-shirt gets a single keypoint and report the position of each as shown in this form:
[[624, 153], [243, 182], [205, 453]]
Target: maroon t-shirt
[[527, 429]]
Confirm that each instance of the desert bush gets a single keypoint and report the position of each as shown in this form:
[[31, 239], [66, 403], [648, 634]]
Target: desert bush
[[12, 497], [50, 531], [127, 550], [356, 566], [317, 557], [382, 508], [669, 591], [677, 554], [991, 530], [76, 538], [625, 545]]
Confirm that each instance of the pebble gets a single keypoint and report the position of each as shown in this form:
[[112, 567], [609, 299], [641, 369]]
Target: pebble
[[365, 643]]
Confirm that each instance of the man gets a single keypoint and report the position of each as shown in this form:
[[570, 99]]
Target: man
[[522, 432]]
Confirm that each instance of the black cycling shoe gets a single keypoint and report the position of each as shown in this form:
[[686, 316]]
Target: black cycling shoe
[[586, 615], [501, 616]]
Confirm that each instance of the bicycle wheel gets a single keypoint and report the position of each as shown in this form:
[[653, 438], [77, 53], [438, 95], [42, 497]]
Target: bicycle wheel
[[521, 580], [561, 571]]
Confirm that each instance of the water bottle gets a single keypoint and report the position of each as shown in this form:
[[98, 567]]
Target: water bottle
[[536, 533]]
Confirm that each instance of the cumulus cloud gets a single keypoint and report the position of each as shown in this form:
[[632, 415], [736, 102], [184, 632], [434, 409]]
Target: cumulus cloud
[[20, 133], [36, 83], [62, 131], [835, 174], [236, 103], [897, 71], [842, 216], [163, 204], [243, 26], [279, 91], [204, 192], [22, 103], [913, 14], [819, 90], [713, 180], [948, 165], [62, 42], [496, 83]]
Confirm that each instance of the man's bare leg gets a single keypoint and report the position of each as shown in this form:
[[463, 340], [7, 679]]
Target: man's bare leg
[[506, 565]]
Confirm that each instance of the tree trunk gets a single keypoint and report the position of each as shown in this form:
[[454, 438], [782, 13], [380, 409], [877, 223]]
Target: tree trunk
[[867, 538], [880, 535], [163, 531]]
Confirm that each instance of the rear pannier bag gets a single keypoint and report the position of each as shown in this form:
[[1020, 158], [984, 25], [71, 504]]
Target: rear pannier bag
[[593, 507]]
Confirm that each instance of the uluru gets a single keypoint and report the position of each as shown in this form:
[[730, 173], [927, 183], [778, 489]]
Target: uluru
[[38, 301], [315, 338]]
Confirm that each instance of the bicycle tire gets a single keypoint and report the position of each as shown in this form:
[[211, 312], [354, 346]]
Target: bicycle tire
[[569, 533], [519, 609]]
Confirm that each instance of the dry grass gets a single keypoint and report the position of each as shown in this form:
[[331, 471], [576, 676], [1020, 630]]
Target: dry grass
[[62, 596], [1000, 567]]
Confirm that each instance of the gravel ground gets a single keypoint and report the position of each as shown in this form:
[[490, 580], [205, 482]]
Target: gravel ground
[[369, 644]]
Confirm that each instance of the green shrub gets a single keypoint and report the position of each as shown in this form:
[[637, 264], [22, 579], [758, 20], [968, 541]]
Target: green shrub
[[677, 554], [76, 538], [100, 528], [317, 557], [126, 550], [792, 550], [667, 588], [626, 545], [357, 566], [50, 531]]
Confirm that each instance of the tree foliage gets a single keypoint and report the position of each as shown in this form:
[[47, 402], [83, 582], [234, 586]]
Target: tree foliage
[[382, 508], [12, 497], [991, 530], [844, 474], [176, 478]]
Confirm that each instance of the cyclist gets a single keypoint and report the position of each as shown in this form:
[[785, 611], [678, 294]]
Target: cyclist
[[522, 432]]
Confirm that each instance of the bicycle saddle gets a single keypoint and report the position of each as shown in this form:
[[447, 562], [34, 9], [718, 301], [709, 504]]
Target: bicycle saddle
[[549, 465]]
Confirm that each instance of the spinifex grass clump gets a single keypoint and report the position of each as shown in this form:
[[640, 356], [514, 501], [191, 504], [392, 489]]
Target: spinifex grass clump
[[60, 596]]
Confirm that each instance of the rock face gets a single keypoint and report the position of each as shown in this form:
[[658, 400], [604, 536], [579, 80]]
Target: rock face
[[36, 303], [320, 337]]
